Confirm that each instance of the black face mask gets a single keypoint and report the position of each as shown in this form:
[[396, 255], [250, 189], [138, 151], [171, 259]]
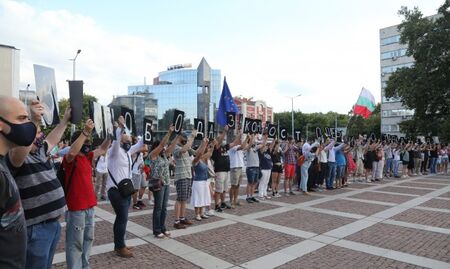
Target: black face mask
[[85, 149], [126, 146], [20, 134]]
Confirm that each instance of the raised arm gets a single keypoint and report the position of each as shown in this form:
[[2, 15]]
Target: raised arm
[[189, 143], [156, 151], [330, 145], [75, 147], [200, 151], [221, 137], [55, 135], [172, 145], [236, 141], [18, 155], [103, 147]]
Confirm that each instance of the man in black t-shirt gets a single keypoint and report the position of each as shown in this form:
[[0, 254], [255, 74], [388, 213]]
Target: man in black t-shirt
[[15, 130]]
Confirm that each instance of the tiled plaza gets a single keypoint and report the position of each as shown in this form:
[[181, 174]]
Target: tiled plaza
[[401, 223]]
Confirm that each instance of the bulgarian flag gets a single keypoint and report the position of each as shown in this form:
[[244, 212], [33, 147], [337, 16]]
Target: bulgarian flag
[[365, 104]]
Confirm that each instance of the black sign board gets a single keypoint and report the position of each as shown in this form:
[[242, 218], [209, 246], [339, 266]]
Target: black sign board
[[231, 120], [247, 126], [297, 135], [211, 130], [272, 130], [327, 131], [130, 122], [76, 100], [373, 137], [283, 133], [109, 121], [148, 133], [199, 125], [318, 132], [178, 119]]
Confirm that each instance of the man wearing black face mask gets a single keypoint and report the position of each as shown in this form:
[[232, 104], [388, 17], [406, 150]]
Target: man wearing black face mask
[[119, 167], [80, 196], [41, 193], [13, 240]]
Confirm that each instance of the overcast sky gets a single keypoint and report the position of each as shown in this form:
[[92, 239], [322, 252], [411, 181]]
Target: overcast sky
[[324, 50]]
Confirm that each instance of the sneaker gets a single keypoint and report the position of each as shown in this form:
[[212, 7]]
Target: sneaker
[[268, 197], [218, 209], [204, 216], [198, 218], [185, 221], [210, 213], [286, 193], [291, 193], [277, 195], [225, 205], [368, 181], [249, 200], [136, 206], [179, 225], [141, 204], [254, 200], [262, 198]]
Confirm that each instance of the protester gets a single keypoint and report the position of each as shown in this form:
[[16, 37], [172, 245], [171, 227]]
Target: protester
[[80, 196], [119, 168], [183, 178], [277, 168], [41, 193], [360, 149], [265, 164], [200, 189], [236, 163], [252, 170], [323, 162], [138, 179], [101, 176], [16, 130], [159, 165], [221, 160], [290, 152]]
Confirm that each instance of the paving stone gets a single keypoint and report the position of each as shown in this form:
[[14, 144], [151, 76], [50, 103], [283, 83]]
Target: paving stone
[[247, 208], [308, 221], [425, 217], [428, 180], [352, 207], [405, 190], [147, 219], [338, 257], [103, 235], [145, 256], [446, 195], [335, 191], [382, 197], [437, 203], [421, 185], [239, 243], [417, 242], [296, 199], [360, 185]]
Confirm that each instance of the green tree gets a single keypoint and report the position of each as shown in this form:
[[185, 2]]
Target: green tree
[[425, 87]]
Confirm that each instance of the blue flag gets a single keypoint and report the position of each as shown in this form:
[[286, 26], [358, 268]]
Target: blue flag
[[226, 104]]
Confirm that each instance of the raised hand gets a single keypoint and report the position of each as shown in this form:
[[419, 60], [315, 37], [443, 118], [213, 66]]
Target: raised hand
[[171, 128], [89, 126], [67, 115], [36, 111], [121, 121]]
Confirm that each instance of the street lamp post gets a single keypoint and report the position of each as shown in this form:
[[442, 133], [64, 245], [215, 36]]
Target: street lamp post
[[73, 60], [292, 113]]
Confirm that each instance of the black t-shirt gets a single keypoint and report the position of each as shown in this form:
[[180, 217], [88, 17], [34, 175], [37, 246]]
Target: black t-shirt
[[276, 156], [433, 153], [221, 159], [13, 233]]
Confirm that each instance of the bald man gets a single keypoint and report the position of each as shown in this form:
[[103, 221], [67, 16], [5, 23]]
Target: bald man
[[41, 193], [15, 130]]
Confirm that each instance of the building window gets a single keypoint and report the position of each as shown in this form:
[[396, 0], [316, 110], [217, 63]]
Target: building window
[[393, 68], [393, 54], [390, 99], [390, 40], [390, 128], [398, 113]]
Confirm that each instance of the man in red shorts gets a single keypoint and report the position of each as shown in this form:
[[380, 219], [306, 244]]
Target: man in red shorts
[[290, 152]]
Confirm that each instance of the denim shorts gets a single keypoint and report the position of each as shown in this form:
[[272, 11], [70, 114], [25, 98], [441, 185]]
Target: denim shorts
[[252, 174]]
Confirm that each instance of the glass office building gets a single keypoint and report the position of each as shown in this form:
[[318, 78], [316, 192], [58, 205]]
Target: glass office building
[[177, 88]]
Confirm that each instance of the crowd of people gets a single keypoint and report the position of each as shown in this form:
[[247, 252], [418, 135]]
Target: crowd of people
[[41, 180]]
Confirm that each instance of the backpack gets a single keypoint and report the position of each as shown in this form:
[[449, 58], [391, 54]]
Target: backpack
[[61, 175], [301, 160]]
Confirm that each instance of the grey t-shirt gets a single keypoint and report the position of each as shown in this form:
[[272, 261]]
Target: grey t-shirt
[[183, 164], [13, 233], [252, 157]]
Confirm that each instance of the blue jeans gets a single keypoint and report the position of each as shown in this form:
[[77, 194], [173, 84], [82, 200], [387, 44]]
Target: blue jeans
[[304, 177], [252, 174], [388, 167], [331, 174], [79, 237], [396, 165], [340, 172], [120, 206], [160, 209], [433, 163], [42, 241]]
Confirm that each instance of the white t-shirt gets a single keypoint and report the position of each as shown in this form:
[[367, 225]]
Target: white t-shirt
[[102, 165], [236, 157]]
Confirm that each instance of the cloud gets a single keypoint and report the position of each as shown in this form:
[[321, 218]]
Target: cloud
[[108, 63]]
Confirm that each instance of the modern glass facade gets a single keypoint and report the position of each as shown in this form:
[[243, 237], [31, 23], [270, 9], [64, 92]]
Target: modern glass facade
[[178, 89]]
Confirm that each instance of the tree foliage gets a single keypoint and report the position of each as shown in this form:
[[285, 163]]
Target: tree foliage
[[425, 87]]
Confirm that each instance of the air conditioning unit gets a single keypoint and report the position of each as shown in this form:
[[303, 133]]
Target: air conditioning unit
[[394, 58]]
